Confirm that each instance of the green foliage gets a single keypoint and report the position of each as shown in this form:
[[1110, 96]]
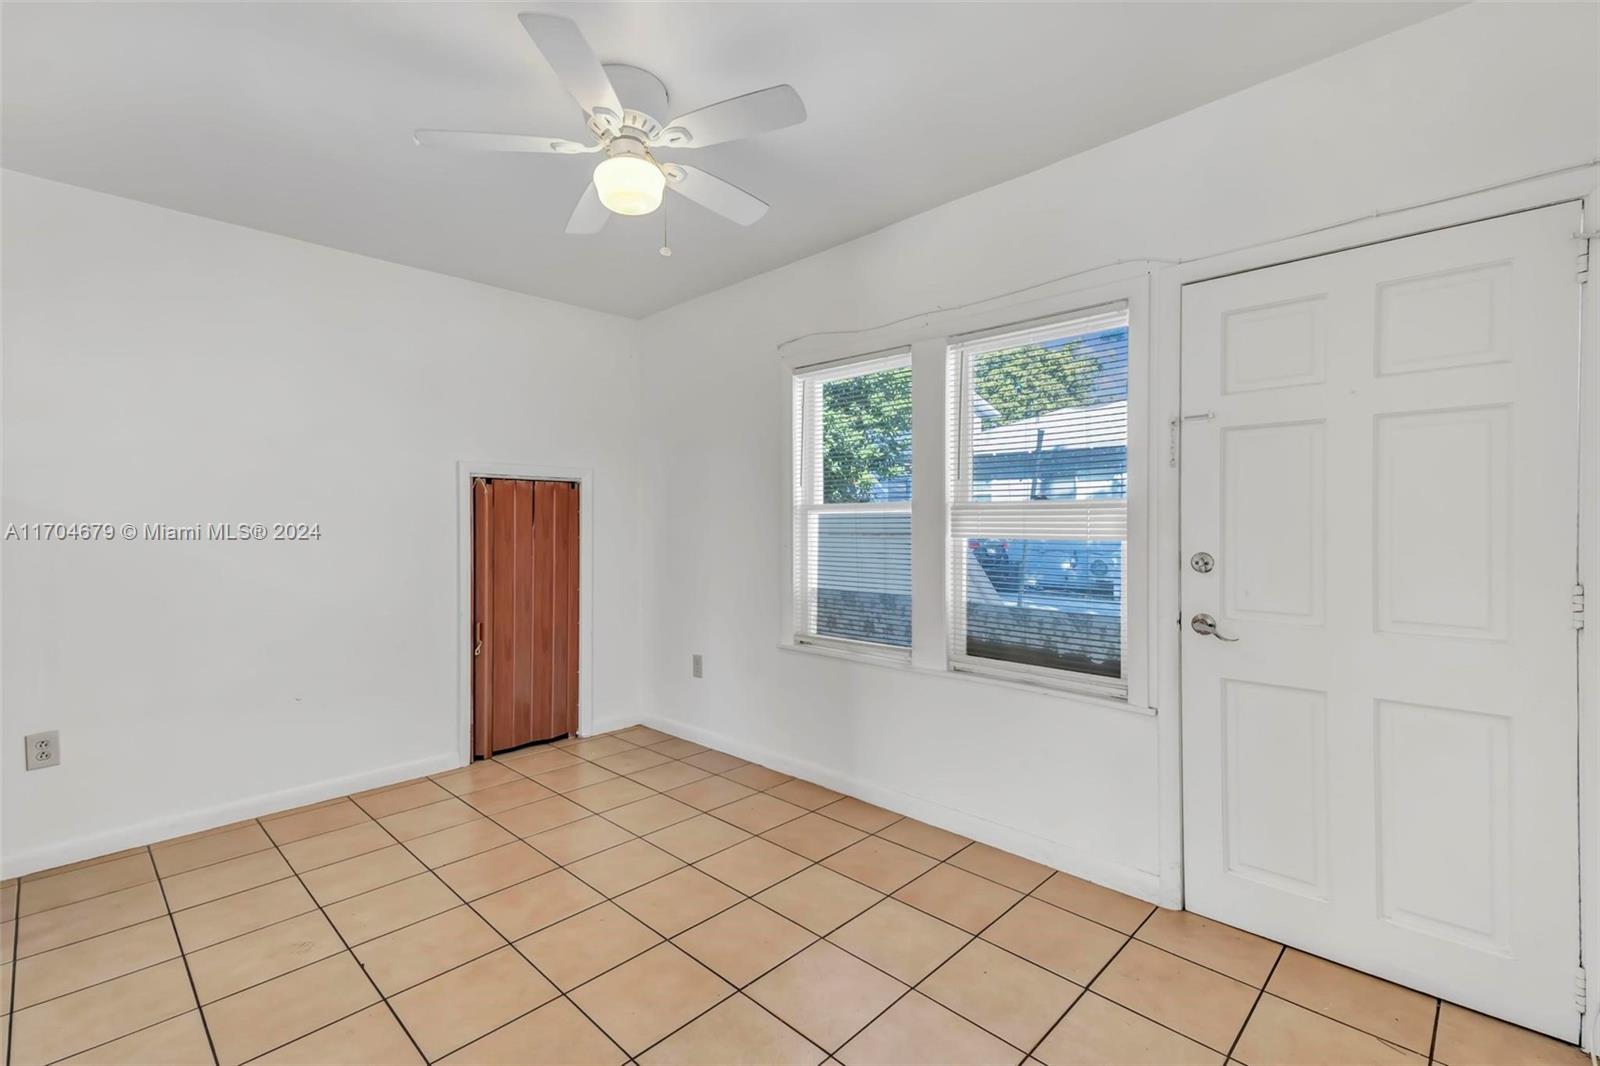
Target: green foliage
[[866, 420], [866, 434], [1022, 383]]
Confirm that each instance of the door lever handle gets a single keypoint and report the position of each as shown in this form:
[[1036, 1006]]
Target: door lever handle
[[1206, 626], [477, 646]]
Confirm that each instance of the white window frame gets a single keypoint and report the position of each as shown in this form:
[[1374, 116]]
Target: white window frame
[[806, 420], [1097, 517], [1152, 420]]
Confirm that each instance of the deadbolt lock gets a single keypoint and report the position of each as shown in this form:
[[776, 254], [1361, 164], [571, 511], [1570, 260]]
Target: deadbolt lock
[[1201, 562]]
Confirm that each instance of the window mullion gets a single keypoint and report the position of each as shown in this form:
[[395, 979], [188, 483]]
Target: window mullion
[[929, 514]]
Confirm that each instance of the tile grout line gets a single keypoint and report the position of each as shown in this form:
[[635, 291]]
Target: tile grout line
[[633, 836], [104, 980], [1087, 985], [651, 793], [1026, 1052], [1128, 937], [157, 876], [468, 904], [508, 943], [124, 1036], [205, 1024], [662, 939], [100, 860], [738, 990], [154, 881], [142, 921], [262, 928], [815, 862], [227, 940], [601, 814], [295, 871], [1260, 993], [340, 934], [913, 987], [95, 896], [883, 896], [909, 986], [91, 936], [16, 944]]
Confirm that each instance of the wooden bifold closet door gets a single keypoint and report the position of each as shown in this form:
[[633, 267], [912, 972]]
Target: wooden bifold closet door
[[524, 612]]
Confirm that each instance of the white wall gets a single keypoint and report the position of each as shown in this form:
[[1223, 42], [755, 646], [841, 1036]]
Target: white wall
[[160, 367], [1479, 96]]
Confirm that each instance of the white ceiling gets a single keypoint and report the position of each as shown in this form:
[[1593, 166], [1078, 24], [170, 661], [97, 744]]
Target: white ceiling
[[296, 118]]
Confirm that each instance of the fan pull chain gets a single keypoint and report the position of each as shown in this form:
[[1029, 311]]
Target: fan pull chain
[[666, 249]]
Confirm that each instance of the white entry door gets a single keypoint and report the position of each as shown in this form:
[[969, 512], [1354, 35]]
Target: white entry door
[[1379, 741]]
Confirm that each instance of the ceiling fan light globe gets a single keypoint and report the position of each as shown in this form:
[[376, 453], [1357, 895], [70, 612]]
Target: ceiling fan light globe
[[629, 185]]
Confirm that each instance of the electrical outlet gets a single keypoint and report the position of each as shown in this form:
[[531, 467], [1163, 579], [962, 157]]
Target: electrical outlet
[[699, 666], [42, 749]]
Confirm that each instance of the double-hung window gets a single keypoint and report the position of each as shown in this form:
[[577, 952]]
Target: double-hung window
[[1038, 455], [852, 503]]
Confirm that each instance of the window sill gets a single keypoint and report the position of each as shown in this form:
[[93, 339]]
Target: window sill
[[902, 662], [881, 655]]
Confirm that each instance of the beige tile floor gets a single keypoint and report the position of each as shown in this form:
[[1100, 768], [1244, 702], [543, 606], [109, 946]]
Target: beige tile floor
[[636, 897]]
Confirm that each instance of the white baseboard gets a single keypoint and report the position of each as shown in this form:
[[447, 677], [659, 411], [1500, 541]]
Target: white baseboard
[[1053, 853], [610, 725], [158, 829]]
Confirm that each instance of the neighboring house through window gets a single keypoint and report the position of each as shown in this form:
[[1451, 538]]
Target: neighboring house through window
[[1023, 573], [1039, 496]]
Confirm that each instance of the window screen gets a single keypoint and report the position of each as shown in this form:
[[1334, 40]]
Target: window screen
[[1039, 446], [853, 502]]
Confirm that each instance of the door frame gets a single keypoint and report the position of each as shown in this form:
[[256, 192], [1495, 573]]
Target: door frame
[[465, 472], [1580, 184]]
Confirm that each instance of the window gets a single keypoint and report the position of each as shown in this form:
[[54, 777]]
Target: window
[[852, 509], [1015, 559], [1038, 502]]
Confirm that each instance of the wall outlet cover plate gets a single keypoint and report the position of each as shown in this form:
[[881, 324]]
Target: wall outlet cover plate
[[42, 749]]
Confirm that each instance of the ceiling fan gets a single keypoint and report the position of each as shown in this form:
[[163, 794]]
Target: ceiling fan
[[621, 104]]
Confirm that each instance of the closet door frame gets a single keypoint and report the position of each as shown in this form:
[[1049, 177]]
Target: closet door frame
[[466, 472]]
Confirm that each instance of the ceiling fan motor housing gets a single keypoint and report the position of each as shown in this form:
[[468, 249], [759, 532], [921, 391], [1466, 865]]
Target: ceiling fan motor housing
[[643, 97]]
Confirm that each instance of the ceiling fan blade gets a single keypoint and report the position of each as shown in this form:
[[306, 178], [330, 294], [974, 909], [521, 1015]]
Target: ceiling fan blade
[[500, 142], [590, 215], [563, 46], [714, 194], [742, 116]]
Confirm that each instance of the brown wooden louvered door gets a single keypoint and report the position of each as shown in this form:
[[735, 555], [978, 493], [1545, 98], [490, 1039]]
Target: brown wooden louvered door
[[524, 612]]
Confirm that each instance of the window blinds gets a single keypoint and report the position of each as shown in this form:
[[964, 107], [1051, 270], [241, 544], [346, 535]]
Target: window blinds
[[853, 502], [1039, 488]]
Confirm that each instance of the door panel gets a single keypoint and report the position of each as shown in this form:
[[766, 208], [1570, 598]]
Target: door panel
[[525, 541], [1380, 451], [482, 654], [503, 616], [525, 571], [539, 709], [563, 632], [1275, 795], [563, 609]]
